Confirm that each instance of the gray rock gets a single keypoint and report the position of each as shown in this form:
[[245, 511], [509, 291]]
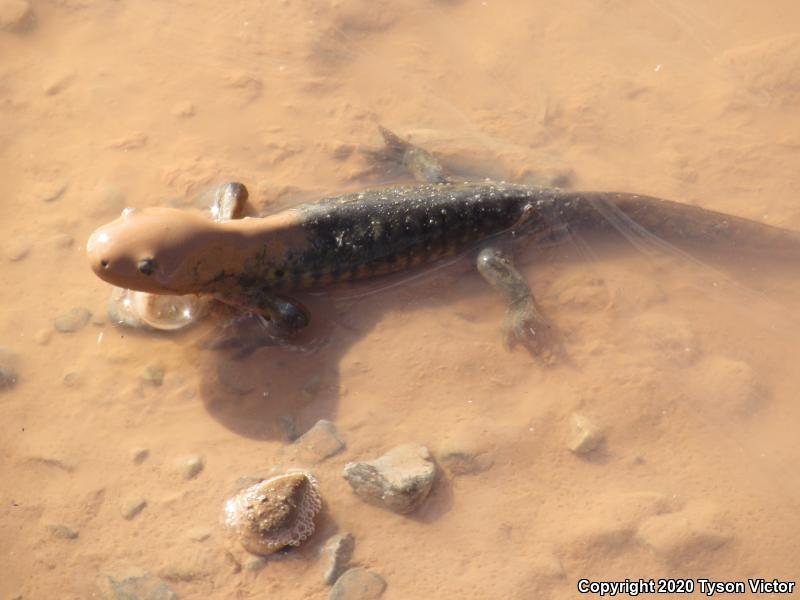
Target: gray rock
[[585, 436], [9, 360], [358, 584], [153, 374], [132, 583], [139, 455], [255, 563], [191, 466], [337, 553], [61, 531], [72, 321], [72, 378], [400, 480], [132, 507], [320, 442]]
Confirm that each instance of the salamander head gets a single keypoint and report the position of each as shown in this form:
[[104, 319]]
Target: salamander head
[[156, 250]]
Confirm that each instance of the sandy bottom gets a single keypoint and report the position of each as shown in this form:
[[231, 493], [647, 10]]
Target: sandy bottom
[[687, 369]]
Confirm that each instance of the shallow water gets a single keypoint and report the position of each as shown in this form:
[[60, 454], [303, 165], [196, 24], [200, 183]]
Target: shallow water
[[688, 367]]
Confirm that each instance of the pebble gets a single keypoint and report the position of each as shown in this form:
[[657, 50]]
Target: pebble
[[139, 455], [15, 15], [61, 531], [153, 375], [585, 436], [130, 141], [56, 85], [337, 553], [198, 534], [72, 321], [50, 192], [132, 507], [62, 241], [72, 378], [18, 249], [9, 362], [132, 583], [400, 480], [320, 442], [255, 563], [190, 467], [358, 584], [680, 536], [462, 455]]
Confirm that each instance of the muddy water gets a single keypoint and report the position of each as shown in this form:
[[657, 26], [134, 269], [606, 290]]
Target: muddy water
[[686, 366]]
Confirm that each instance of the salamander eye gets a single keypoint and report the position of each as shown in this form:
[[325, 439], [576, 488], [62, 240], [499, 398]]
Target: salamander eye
[[147, 266]]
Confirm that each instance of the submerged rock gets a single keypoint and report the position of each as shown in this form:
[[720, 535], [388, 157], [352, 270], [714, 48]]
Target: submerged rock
[[275, 513], [337, 552], [72, 321], [8, 368], [132, 583], [358, 584], [400, 480], [320, 442], [585, 435]]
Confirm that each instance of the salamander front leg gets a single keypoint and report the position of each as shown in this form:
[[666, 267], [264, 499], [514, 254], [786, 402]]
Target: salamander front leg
[[524, 323], [263, 319]]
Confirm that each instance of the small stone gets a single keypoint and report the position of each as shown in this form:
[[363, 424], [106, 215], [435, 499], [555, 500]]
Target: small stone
[[9, 362], [400, 480], [132, 507], [153, 375], [183, 109], [586, 436], [132, 583], [320, 442], [198, 534], [255, 563], [43, 336], [131, 141], [56, 86], [337, 552], [52, 191], [17, 250], [190, 467], [61, 531], [72, 321], [15, 15], [139, 455], [62, 241], [462, 455], [72, 378], [358, 584]]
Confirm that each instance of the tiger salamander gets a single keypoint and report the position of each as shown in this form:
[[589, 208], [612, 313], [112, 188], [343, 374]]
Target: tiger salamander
[[256, 263]]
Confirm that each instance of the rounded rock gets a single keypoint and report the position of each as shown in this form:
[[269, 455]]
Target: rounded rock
[[275, 513], [358, 584]]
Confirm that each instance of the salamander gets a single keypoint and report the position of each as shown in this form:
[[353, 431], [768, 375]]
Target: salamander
[[257, 263]]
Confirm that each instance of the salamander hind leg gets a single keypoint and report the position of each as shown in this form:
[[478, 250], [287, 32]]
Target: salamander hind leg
[[420, 163], [524, 323]]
